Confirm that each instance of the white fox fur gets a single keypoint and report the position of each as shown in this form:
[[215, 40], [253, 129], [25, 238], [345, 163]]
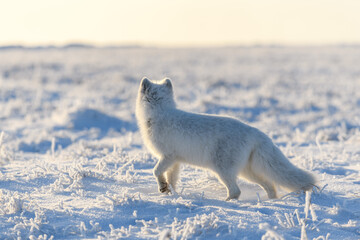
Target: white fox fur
[[223, 144]]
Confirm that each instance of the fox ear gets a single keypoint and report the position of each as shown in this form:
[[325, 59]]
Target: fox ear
[[145, 84], [168, 83]]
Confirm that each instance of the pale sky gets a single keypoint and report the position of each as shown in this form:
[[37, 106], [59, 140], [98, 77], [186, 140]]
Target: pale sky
[[179, 22]]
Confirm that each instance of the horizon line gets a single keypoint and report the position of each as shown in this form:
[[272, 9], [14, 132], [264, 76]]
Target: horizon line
[[172, 46]]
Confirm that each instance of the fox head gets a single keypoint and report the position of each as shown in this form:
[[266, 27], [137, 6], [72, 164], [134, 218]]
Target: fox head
[[156, 94]]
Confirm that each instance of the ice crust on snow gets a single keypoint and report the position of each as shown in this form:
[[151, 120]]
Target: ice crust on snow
[[72, 164]]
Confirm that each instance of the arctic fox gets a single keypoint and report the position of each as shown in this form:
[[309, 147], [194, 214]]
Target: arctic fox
[[223, 144]]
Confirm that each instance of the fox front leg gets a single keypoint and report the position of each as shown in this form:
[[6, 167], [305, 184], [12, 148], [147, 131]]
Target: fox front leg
[[159, 171]]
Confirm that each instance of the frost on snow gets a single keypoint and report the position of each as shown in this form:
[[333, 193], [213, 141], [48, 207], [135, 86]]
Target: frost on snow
[[72, 164]]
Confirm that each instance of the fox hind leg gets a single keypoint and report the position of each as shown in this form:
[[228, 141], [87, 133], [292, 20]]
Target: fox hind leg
[[229, 180], [252, 176]]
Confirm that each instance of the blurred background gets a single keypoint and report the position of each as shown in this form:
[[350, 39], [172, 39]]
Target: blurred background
[[179, 23]]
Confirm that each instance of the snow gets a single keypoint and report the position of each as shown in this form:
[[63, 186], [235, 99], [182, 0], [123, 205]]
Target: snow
[[73, 166]]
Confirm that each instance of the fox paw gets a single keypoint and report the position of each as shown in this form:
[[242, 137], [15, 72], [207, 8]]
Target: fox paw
[[164, 188], [235, 197]]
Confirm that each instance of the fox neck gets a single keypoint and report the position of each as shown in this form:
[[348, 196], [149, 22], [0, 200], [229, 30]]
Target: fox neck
[[148, 113], [155, 112]]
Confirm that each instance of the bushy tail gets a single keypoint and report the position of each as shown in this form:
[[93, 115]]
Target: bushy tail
[[271, 163]]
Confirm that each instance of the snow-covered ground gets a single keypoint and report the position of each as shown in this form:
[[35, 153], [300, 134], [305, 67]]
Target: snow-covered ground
[[73, 166]]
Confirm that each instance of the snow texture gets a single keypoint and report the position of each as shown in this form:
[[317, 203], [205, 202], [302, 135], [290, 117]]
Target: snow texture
[[73, 166]]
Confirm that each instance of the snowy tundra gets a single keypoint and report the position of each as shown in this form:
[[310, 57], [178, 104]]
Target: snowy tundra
[[222, 144], [73, 164]]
